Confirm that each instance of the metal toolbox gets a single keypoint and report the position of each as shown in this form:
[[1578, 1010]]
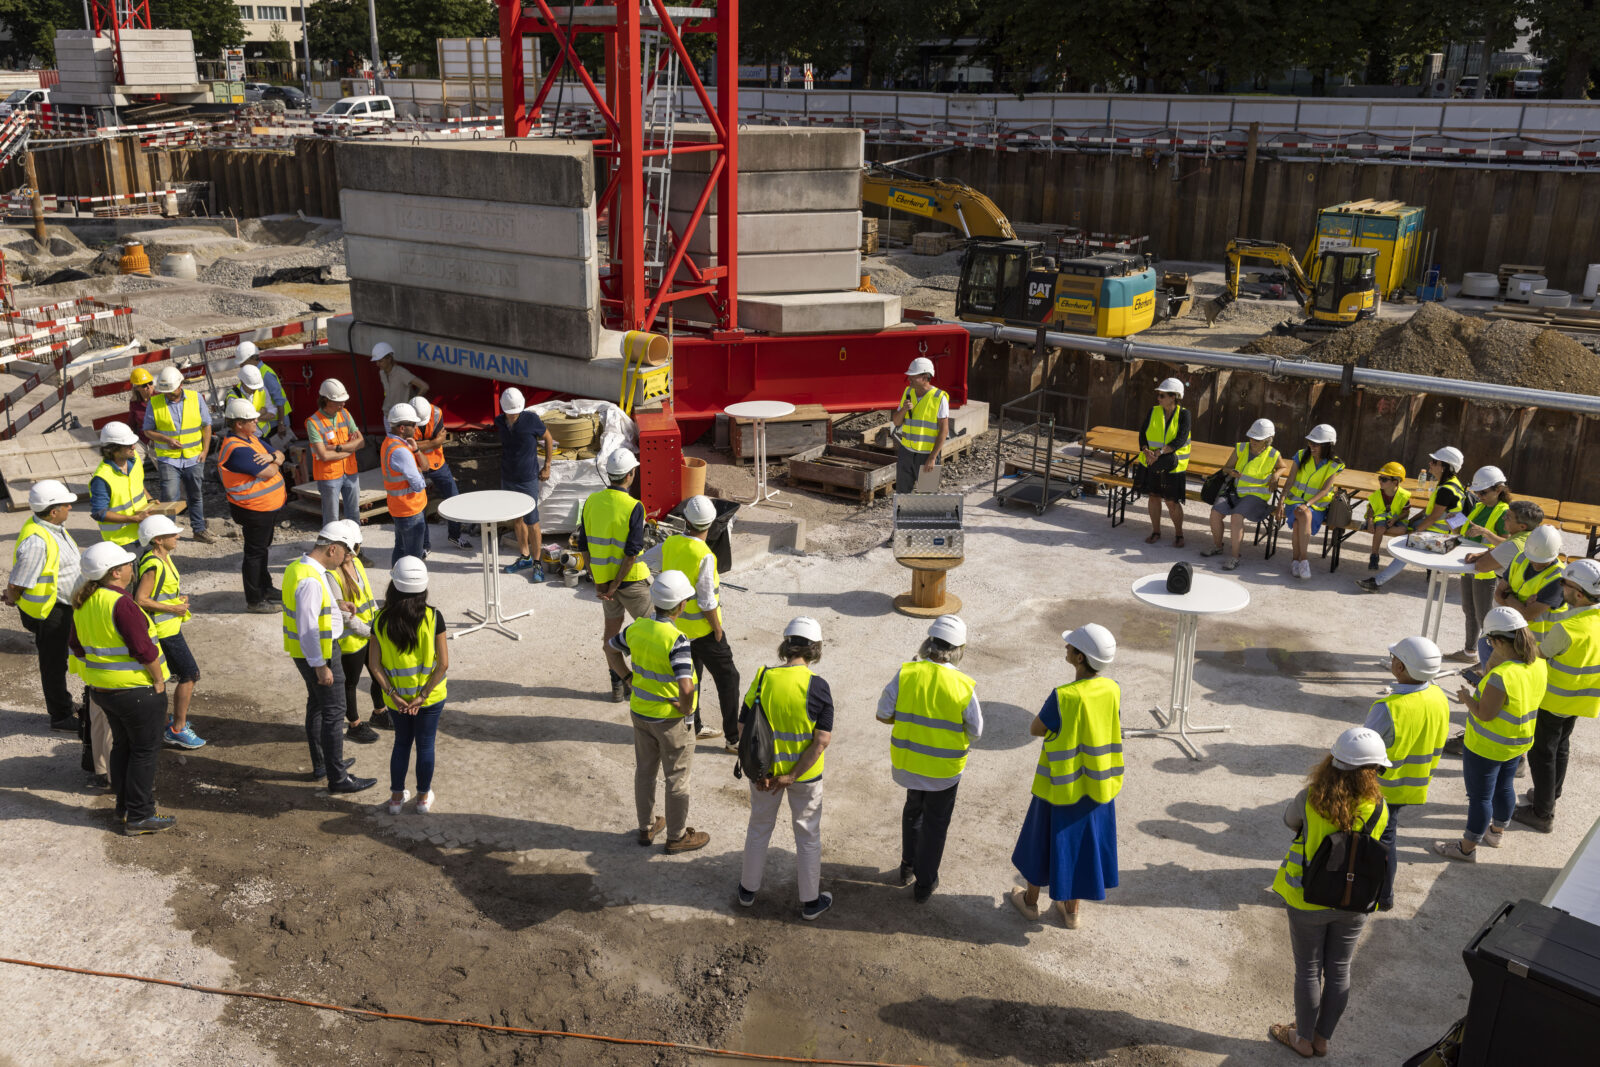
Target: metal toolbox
[[928, 526]]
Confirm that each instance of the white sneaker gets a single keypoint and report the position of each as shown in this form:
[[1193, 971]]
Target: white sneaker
[[393, 808], [425, 803], [708, 732]]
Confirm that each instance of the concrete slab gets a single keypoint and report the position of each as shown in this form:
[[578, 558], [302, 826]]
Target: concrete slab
[[795, 231], [800, 272], [514, 172], [562, 232], [787, 313], [776, 148], [777, 191], [600, 379], [473, 272], [569, 332]]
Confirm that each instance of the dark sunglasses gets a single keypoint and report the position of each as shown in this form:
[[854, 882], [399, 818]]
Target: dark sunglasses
[[1383, 479]]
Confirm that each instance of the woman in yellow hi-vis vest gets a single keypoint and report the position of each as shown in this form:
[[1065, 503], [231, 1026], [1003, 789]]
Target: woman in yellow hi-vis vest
[[936, 718], [1069, 839], [798, 705], [1342, 795], [1446, 501], [1487, 526], [1571, 648], [1311, 487], [113, 645], [409, 656], [1161, 471], [159, 594], [1387, 509], [1252, 473]]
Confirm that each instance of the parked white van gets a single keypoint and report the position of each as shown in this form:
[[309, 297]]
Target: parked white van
[[356, 114], [23, 98]]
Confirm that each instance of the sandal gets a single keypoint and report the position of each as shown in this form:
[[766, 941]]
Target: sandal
[[1155, 536], [656, 828], [1019, 900], [1068, 917], [1177, 541], [1284, 1034]]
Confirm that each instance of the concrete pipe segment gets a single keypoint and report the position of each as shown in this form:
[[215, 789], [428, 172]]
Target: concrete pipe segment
[[1480, 284], [1550, 298]]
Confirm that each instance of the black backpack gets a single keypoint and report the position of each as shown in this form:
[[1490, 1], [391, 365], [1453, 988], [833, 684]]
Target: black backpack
[[758, 752], [1349, 869]]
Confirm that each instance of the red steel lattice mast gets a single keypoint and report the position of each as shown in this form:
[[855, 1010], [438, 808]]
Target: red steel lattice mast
[[111, 17]]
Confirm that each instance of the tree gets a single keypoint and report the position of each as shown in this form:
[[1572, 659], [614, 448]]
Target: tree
[[33, 25], [407, 29], [1567, 32], [214, 23]]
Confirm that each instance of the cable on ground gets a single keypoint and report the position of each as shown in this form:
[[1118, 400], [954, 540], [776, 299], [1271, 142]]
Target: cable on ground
[[529, 1031]]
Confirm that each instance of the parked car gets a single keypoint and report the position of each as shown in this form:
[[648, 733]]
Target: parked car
[[1467, 87], [23, 98], [288, 95], [356, 114], [1527, 82]]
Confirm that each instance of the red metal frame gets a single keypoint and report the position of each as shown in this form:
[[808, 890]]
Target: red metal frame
[[115, 16]]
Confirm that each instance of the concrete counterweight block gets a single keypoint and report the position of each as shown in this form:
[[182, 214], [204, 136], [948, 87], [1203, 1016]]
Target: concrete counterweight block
[[556, 174]]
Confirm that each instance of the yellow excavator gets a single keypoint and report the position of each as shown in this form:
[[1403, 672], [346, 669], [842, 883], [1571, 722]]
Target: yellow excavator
[[1341, 289], [945, 200]]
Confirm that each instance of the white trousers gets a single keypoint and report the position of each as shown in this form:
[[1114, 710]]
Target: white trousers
[[805, 813]]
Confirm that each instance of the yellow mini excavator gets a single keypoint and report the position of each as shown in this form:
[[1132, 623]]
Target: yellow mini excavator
[[1342, 288]]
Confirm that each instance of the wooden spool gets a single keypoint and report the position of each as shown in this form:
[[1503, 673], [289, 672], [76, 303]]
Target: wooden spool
[[928, 598]]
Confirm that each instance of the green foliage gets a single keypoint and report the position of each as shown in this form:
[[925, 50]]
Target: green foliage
[[1567, 32], [214, 23], [33, 25], [407, 29]]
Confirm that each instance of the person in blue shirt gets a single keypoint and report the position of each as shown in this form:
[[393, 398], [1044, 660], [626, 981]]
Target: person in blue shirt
[[522, 435], [118, 447]]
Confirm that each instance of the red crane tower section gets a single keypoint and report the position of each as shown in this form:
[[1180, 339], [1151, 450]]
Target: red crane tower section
[[111, 17]]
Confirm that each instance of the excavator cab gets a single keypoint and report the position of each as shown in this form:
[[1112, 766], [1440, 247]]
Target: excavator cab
[[993, 281], [1344, 286]]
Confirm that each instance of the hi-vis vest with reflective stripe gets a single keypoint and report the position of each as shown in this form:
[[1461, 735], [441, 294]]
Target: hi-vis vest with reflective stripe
[[409, 671], [365, 603], [1527, 585], [271, 375], [920, 429], [1161, 432], [403, 501], [39, 599], [782, 692], [1084, 757], [1421, 724], [185, 429], [1309, 480], [1510, 733], [1452, 482], [127, 494], [605, 527], [1254, 474], [293, 575], [334, 432], [680, 553], [1287, 882], [165, 588], [655, 687], [1572, 683], [432, 461], [259, 400], [107, 663], [930, 732], [246, 490], [1379, 512], [1490, 518]]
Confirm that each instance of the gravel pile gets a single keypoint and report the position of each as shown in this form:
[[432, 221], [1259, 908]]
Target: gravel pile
[[926, 283], [1275, 344], [263, 265]]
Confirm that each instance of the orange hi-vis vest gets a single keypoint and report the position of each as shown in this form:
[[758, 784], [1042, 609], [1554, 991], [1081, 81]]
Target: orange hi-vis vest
[[403, 502], [334, 432], [432, 461], [250, 493]]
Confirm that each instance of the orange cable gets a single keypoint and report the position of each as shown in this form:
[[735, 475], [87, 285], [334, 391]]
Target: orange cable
[[705, 1049]]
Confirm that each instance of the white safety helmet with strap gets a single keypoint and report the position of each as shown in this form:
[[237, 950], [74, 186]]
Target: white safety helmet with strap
[[336, 533], [101, 559], [238, 407], [949, 629], [333, 389], [250, 378], [170, 380], [670, 589], [117, 433], [1487, 478], [699, 512], [1262, 430], [1095, 642], [156, 526], [1171, 385], [1450, 455], [1322, 434], [920, 365], [403, 413], [1360, 747], [47, 493], [381, 349], [1543, 544], [512, 402], [1420, 657], [246, 351]]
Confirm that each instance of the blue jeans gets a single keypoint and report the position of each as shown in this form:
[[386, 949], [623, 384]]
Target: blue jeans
[[189, 480], [410, 537], [442, 486], [341, 498], [1386, 897], [1491, 792], [422, 728]]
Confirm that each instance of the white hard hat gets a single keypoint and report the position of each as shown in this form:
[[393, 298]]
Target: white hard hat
[[169, 380], [250, 378], [1503, 622], [156, 526], [949, 629], [46, 494], [1487, 478], [423, 409], [1451, 455], [381, 349], [621, 462], [511, 402], [1261, 430], [1360, 747], [101, 559], [333, 389], [1171, 385], [920, 365], [1322, 434], [238, 407], [403, 413], [804, 627], [1585, 574], [670, 589], [352, 529], [117, 433], [1421, 657], [409, 575], [335, 532], [699, 512], [1543, 544], [1095, 642], [246, 351]]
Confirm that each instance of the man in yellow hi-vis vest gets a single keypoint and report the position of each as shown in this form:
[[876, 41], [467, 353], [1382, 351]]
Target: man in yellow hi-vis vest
[[178, 426], [45, 568], [611, 537], [936, 718], [921, 422]]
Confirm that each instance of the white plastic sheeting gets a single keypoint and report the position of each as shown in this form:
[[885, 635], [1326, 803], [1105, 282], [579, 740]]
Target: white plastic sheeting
[[572, 480]]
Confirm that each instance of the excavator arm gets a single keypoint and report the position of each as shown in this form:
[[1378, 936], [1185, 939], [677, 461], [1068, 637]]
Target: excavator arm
[[944, 200], [1243, 249]]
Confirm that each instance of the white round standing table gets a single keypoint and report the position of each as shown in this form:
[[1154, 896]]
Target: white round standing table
[[1440, 566], [487, 510], [1209, 594], [759, 411]]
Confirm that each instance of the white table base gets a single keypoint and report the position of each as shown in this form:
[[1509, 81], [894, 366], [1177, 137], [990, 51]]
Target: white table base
[[491, 617], [1175, 720], [1433, 606], [763, 494]]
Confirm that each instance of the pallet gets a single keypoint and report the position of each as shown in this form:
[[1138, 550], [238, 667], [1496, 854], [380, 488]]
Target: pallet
[[865, 496], [856, 472]]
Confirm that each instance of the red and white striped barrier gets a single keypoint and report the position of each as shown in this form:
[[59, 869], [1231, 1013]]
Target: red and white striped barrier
[[202, 347]]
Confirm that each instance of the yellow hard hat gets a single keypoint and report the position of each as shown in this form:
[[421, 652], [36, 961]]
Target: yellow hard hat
[[1392, 469], [140, 376]]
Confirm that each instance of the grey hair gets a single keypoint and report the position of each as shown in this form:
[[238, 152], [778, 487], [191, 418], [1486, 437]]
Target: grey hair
[[936, 651], [1527, 513]]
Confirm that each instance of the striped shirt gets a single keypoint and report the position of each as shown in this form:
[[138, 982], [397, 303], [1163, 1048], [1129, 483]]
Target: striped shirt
[[682, 660], [30, 561]]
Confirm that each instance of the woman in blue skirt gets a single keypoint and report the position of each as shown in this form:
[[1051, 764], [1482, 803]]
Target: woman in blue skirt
[[1069, 839]]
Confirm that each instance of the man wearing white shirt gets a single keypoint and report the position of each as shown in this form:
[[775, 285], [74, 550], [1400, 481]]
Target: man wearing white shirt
[[313, 622]]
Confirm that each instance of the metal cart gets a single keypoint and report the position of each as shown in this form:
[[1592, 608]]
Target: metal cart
[[1045, 476]]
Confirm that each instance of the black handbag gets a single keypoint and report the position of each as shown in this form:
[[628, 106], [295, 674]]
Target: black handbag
[[1180, 578], [1213, 487], [1349, 869], [758, 750]]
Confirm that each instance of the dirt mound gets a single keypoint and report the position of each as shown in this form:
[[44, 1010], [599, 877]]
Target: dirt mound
[[1275, 344]]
